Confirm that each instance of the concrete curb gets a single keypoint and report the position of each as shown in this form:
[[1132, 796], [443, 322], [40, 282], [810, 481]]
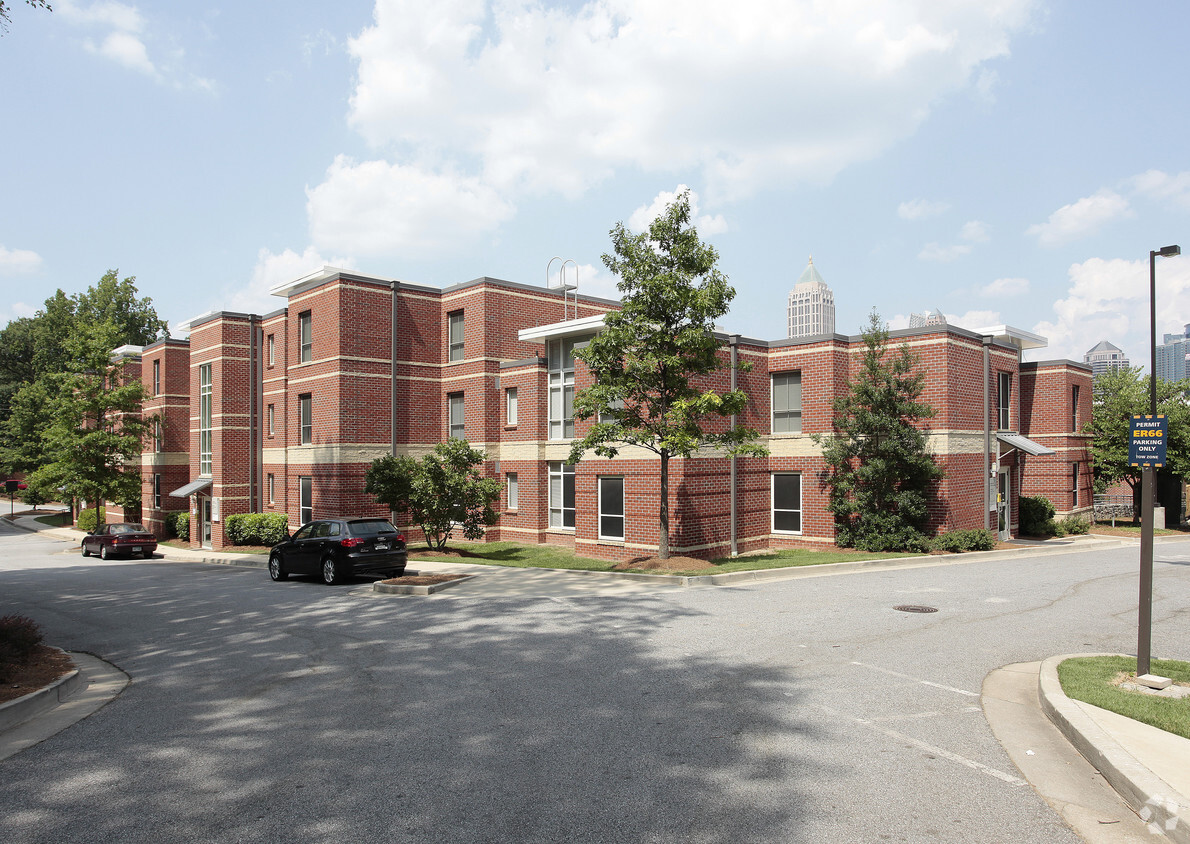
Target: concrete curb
[[1143, 791], [35, 703], [410, 589]]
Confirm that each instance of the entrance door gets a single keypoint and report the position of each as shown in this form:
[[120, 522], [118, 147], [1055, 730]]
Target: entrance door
[[204, 521], [1004, 505]]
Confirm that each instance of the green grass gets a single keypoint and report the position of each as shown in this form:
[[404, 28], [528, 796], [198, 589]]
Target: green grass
[[1089, 679], [56, 520], [547, 556]]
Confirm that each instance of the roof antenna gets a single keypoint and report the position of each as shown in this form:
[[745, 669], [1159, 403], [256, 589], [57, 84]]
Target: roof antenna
[[565, 288]]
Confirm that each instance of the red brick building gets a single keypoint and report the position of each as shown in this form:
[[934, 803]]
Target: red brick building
[[284, 412]]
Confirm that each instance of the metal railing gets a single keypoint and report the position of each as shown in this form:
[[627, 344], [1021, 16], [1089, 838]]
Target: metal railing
[[1112, 507]]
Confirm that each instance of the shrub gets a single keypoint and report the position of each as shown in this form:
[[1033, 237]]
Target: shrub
[[1077, 526], [958, 541], [19, 635], [178, 524], [256, 528], [1037, 516], [87, 519]]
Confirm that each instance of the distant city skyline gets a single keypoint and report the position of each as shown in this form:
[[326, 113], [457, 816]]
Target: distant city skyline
[[810, 306]]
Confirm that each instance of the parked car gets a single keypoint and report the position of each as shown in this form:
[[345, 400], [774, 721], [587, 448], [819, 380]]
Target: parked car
[[339, 549], [126, 538]]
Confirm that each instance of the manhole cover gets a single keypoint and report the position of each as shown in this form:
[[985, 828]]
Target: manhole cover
[[915, 608]]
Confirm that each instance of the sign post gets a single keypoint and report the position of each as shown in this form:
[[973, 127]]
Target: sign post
[[1147, 449]]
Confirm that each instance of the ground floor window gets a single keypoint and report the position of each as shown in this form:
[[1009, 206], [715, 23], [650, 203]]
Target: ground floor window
[[1074, 484], [787, 502], [561, 495], [157, 491], [611, 508], [510, 478], [272, 489], [305, 500]]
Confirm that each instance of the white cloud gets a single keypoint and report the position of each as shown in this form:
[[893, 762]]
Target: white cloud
[[1160, 185], [643, 217], [377, 208], [919, 209], [15, 311], [975, 231], [126, 49], [105, 13], [591, 280], [974, 319], [1108, 299], [937, 253], [18, 261], [1003, 287], [1081, 218], [272, 269]]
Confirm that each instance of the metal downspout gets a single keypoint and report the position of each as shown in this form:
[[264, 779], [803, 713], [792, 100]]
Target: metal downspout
[[393, 380], [254, 455], [733, 342], [987, 435]]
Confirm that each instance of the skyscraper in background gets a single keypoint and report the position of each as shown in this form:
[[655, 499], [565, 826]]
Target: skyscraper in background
[[1105, 357], [811, 308]]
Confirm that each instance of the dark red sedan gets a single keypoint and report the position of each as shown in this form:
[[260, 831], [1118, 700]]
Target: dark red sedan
[[121, 538]]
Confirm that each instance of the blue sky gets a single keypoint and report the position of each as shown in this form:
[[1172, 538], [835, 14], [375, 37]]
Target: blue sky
[[1005, 161]]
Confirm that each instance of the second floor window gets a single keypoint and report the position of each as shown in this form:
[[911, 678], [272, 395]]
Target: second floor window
[[1004, 401], [455, 321], [787, 403], [560, 355], [510, 405], [457, 416], [306, 419], [305, 337], [272, 350], [1074, 408], [157, 435], [156, 377], [204, 420], [272, 420]]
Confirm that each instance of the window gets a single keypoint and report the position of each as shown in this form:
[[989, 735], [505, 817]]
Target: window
[[157, 435], [1004, 400], [560, 355], [204, 420], [305, 337], [787, 403], [457, 418], [1074, 408], [156, 377], [611, 508], [510, 479], [611, 415], [1074, 484], [455, 321], [272, 487], [561, 495], [272, 349], [305, 500], [305, 419], [272, 419], [157, 491], [787, 502], [510, 406]]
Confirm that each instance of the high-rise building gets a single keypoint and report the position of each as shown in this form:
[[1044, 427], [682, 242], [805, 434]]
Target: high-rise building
[[1105, 357], [1171, 356], [811, 308], [929, 318]]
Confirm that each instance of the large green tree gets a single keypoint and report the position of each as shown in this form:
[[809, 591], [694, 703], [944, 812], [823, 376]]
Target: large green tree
[[442, 491], [1119, 395], [879, 471], [650, 358]]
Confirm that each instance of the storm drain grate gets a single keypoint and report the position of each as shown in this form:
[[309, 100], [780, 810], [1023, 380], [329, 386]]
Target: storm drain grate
[[915, 608]]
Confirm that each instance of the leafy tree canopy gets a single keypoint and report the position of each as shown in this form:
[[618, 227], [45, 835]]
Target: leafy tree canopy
[[442, 491], [648, 360], [879, 471]]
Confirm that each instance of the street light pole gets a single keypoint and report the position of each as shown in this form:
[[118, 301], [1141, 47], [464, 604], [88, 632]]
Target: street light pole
[[1148, 480]]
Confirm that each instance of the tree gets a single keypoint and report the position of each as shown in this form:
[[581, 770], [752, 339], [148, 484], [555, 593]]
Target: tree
[[650, 354], [1117, 396], [442, 491], [5, 12], [879, 472]]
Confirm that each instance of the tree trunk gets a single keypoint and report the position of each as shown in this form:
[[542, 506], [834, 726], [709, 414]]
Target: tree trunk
[[663, 543]]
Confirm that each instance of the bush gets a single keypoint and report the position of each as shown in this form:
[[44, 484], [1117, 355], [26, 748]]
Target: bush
[[1077, 526], [87, 519], [178, 524], [958, 541], [19, 635], [1037, 516], [256, 528]]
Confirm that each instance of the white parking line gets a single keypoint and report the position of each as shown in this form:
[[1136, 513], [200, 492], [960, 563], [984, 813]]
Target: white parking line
[[917, 680]]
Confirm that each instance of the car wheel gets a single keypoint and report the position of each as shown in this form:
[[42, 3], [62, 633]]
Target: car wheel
[[276, 570], [86, 553], [103, 552], [330, 571]]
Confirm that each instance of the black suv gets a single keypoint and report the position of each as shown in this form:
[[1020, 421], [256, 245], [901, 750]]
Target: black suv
[[339, 549]]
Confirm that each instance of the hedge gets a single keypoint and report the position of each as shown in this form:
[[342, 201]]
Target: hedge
[[178, 524], [958, 541], [256, 528], [87, 521]]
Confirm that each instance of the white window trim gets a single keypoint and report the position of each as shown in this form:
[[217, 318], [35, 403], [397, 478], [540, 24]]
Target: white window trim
[[773, 404], [773, 504], [561, 473], [510, 406], [512, 490], [306, 419]]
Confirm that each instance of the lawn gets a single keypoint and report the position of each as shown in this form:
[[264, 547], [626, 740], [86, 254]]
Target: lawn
[[56, 520], [1092, 679]]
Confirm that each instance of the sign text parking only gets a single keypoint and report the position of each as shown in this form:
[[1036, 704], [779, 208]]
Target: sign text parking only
[[1146, 446]]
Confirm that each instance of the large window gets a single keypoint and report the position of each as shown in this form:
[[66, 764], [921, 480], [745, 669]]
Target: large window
[[561, 388], [611, 508], [787, 502], [510, 406], [204, 420], [156, 377], [510, 479], [305, 499], [561, 495], [455, 322], [305, 337], [1004, 401], [306, 418], [787, 403], [457, 416]]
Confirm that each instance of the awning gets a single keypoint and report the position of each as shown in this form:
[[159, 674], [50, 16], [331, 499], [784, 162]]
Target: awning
[[1025, 444], [191, 488]]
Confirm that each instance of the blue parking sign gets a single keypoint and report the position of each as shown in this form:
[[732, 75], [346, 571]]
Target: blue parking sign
[[1146, 447]]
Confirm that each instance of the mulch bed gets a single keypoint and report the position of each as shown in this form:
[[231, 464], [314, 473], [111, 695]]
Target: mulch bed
[[658, 564], [44, 666], [423, 579]]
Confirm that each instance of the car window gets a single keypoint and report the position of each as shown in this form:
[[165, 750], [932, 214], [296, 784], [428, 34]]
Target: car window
[[332, 529], [321, 530], [126, 528], [370, 527], [101, 530], [305, 532]]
